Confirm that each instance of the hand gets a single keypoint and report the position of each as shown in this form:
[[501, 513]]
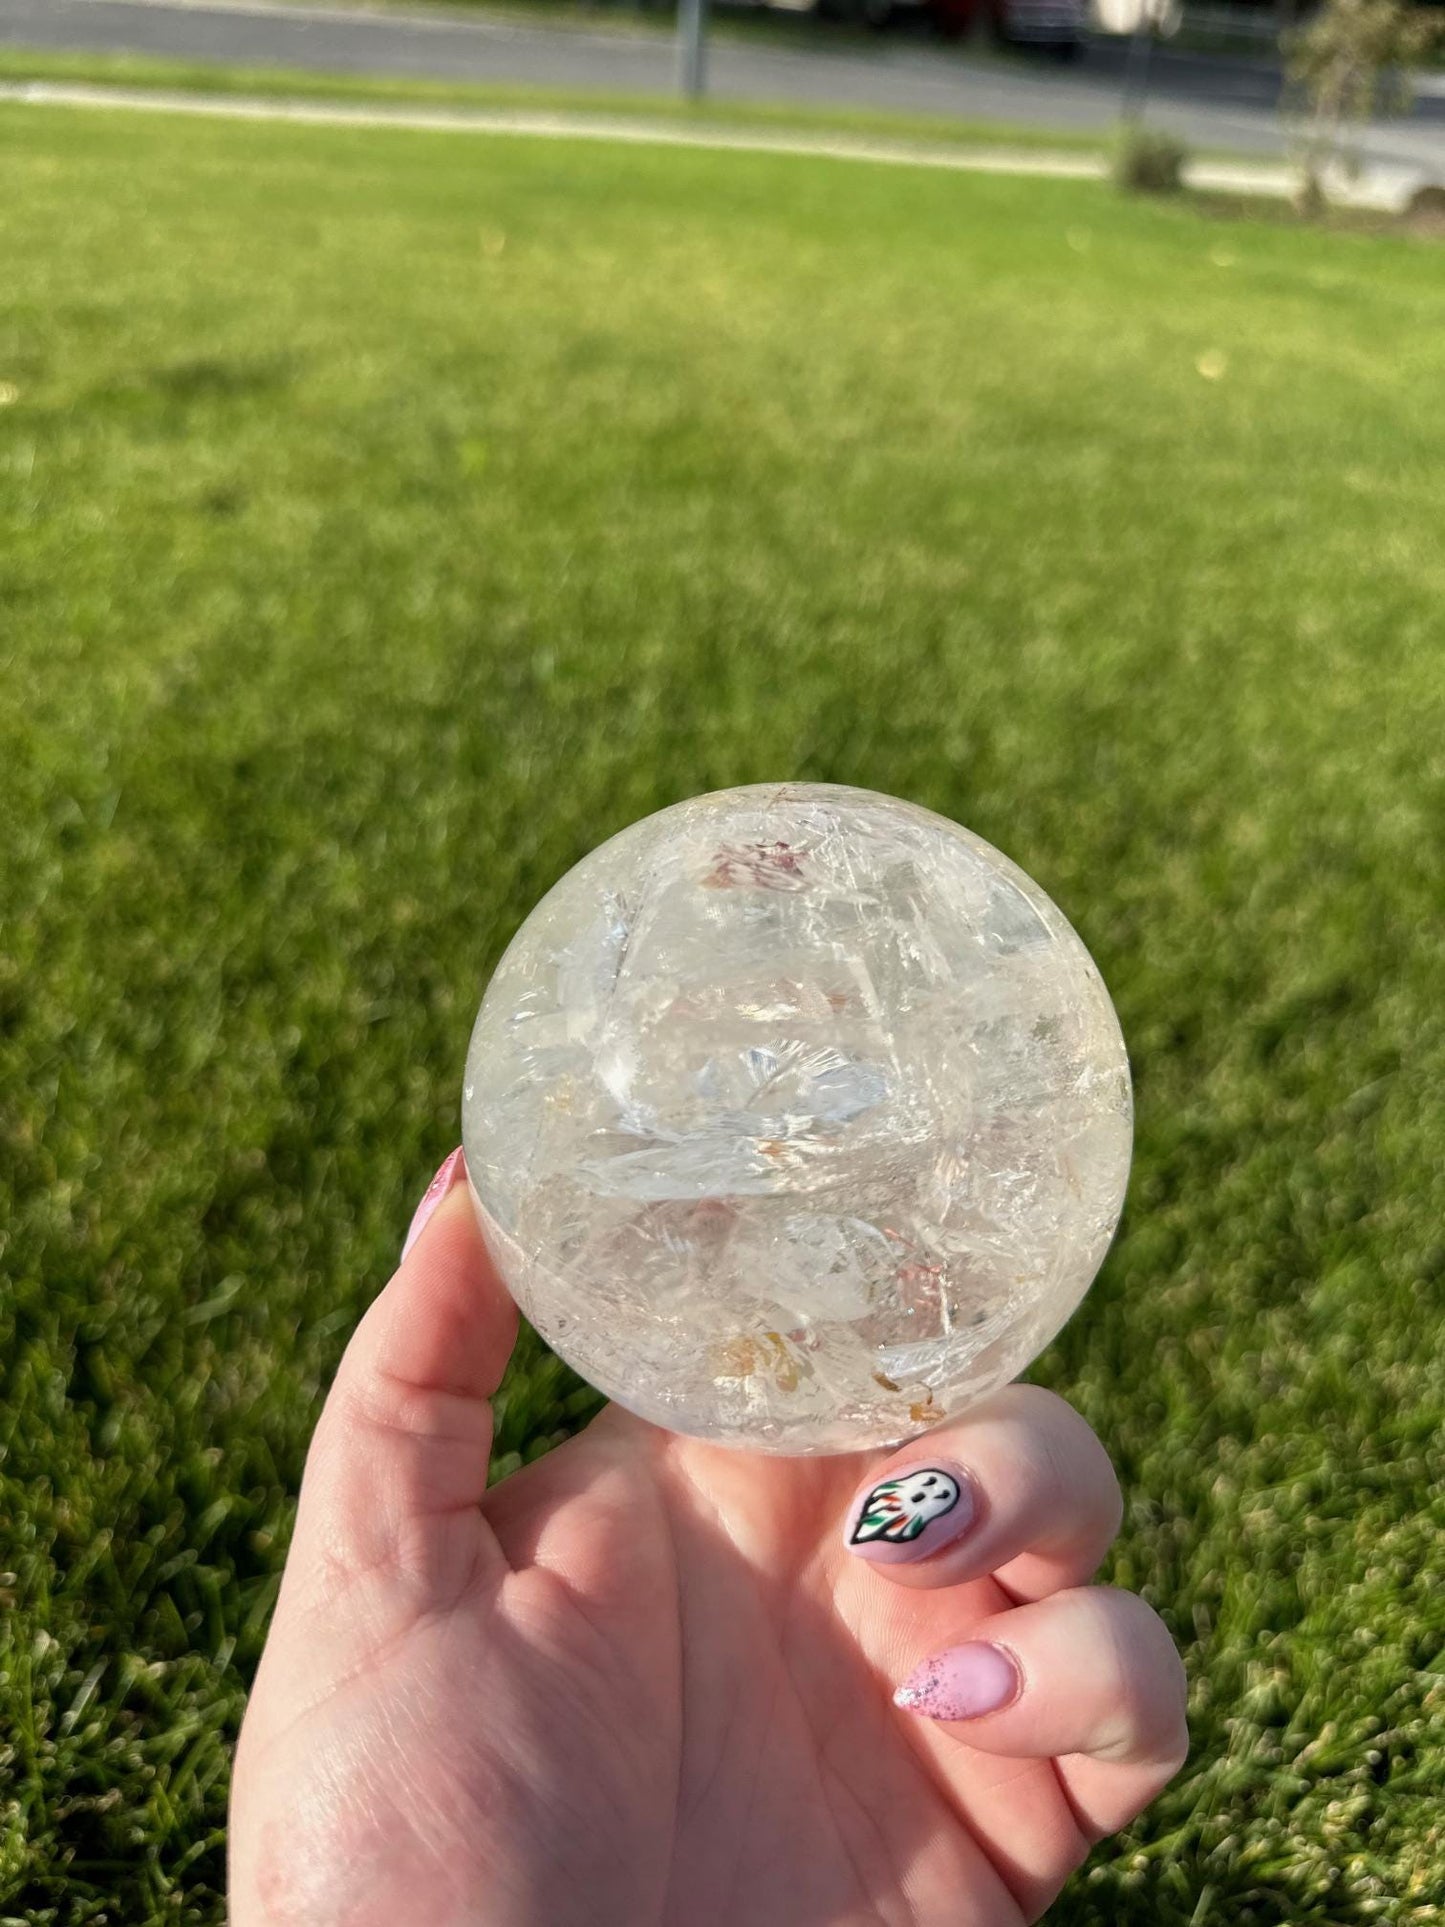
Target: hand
[[650, 1681]]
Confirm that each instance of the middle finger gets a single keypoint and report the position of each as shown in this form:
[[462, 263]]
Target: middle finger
[[1020, 1489]]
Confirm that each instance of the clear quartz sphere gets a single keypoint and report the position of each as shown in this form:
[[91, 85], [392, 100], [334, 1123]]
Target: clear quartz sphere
[[797, 1118]]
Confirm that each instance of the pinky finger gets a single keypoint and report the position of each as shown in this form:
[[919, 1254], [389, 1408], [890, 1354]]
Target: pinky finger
[[1088, 1678]]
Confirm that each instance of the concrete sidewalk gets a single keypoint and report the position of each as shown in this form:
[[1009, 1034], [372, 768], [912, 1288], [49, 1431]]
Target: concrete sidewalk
[[1378, 188]]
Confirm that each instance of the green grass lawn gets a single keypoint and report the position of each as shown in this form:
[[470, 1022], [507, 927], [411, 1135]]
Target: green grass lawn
[[385, 518]]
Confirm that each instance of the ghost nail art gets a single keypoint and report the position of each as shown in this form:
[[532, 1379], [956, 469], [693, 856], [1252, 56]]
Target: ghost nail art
[[911, 1514]]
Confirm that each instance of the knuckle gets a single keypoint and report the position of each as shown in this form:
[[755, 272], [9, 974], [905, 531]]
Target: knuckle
[[1036, 1405], [384, 1404], [1147, 1682], [1077, 1465]]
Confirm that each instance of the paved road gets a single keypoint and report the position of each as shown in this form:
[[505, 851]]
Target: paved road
[[1210, 102]]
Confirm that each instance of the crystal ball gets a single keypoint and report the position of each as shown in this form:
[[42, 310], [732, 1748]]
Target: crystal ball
[[797, 1118]]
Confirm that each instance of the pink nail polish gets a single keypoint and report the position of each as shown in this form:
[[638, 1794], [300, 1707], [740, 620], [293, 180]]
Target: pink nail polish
[[961, 1683], [911, 1514], [446, 1177]]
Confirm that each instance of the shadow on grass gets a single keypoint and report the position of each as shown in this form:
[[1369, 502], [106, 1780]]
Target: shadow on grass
[[197, 382]]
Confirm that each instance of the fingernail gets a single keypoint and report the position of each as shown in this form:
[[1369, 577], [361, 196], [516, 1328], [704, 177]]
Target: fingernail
[[454, 1168], [961, 1683], [911, 1514]]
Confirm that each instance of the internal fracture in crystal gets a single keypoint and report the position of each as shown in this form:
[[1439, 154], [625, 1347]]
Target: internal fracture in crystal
[[797, 1118]]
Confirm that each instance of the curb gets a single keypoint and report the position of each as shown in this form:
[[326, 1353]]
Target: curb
[[1378, 188]]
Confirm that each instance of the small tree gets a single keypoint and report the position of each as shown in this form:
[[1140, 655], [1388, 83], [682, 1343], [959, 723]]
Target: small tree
[[1352, 61]]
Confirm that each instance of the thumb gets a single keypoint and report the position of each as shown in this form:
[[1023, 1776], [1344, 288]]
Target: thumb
[[398, 1464]]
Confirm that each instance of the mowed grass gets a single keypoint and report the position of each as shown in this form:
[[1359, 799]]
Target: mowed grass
[[387, 517]]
